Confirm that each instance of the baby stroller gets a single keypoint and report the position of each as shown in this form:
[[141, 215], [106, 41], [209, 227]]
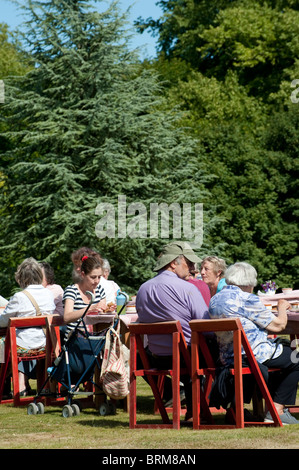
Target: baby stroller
[[75, 365]]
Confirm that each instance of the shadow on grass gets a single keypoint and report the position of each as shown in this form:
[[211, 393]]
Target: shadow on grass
[[145, 415]]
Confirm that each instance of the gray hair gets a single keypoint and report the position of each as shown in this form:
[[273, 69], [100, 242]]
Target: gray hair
[[241, 274], [29, 272], [218, 264], [178, 259], [106, 265]]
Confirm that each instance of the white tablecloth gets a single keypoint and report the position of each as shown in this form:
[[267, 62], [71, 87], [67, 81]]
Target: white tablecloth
[[292, 297]]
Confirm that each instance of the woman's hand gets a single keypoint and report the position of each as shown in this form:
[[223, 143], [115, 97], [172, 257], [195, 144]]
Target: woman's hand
[[283, 304], [111, 307], [102, 306]]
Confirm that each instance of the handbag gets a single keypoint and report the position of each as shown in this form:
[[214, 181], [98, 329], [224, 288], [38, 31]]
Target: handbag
[[114, 378]]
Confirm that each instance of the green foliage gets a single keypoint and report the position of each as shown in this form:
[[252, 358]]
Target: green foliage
[[228, 67], [12, 59], [86, 126], [209, 121]]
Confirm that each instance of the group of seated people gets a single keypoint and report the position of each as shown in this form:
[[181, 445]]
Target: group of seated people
[[168, 297], [175, 293], [37, 281]]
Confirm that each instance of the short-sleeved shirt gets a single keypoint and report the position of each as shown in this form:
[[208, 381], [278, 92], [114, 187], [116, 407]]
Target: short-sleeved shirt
[[220, 285], [232, 302], [166, 297], [203, 287], [57, 292], [20, 306], [72, 292]]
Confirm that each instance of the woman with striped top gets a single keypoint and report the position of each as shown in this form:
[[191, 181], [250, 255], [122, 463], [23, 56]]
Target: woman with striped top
[[75, 299]]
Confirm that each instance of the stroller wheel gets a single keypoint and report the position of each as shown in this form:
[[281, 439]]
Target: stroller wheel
[[41, 408], [32, 409], [76, 409], [67, 411], [78, 403], [104, 409]]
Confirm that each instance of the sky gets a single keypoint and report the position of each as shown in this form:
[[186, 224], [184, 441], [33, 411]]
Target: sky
[[143, 8]]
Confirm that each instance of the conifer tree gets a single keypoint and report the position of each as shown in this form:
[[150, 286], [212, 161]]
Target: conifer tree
[[86, 127]]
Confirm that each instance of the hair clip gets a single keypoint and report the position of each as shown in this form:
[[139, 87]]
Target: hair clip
[[84, 258]]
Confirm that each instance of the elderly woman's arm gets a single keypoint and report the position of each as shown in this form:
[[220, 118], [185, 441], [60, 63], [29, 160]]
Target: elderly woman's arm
[[11, 310], [280, 321]]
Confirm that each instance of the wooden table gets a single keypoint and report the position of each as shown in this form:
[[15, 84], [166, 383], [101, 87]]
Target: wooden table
[[292, 298], [292, 327], [100, 322]]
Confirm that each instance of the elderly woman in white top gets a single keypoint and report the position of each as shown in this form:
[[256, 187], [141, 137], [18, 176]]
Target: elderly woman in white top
[[29, 276]]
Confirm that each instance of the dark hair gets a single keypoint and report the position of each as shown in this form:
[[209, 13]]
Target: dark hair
[[49, 272], [77, 255], [90, 263]]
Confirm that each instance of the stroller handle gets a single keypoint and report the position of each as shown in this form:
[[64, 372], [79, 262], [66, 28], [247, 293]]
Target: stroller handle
[[91, 295]]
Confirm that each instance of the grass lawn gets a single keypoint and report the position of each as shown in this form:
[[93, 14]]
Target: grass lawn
[[89, 430]]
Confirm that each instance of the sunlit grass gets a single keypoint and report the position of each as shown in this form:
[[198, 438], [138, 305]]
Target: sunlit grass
[[89, 430]]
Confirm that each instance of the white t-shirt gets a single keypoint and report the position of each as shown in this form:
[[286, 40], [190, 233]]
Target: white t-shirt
[[108, 287], [3, 301], [20, 306], [57, 292]]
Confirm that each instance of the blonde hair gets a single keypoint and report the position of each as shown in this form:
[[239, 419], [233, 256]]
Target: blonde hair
[[218, 264]]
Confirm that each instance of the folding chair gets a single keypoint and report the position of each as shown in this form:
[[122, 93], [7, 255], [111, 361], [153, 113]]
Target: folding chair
[[14, 358], [198, 343], [137, 330]]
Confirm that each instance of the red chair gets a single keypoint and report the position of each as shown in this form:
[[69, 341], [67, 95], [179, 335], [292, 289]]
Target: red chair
[[137, 330], [198, 343], [12, 356]]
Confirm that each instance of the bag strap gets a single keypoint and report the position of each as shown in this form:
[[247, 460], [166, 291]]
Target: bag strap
[[277, 342], [33, 301]]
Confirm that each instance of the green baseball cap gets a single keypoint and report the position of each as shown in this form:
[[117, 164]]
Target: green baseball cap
[[172, 251]]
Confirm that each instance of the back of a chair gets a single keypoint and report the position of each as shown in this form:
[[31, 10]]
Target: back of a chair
[[214, 326], [137, 331], [49, 323], [27, 322], [23, 322], [173, 328], [225, 324], [198, 327]]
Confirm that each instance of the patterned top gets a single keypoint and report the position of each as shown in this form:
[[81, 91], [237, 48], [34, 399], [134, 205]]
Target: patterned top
[[232, 302]]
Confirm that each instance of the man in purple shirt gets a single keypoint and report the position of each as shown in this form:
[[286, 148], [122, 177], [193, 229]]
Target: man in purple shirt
[[169, 297]]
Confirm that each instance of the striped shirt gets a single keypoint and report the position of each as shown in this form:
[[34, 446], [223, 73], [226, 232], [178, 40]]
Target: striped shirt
[[72, 292]]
